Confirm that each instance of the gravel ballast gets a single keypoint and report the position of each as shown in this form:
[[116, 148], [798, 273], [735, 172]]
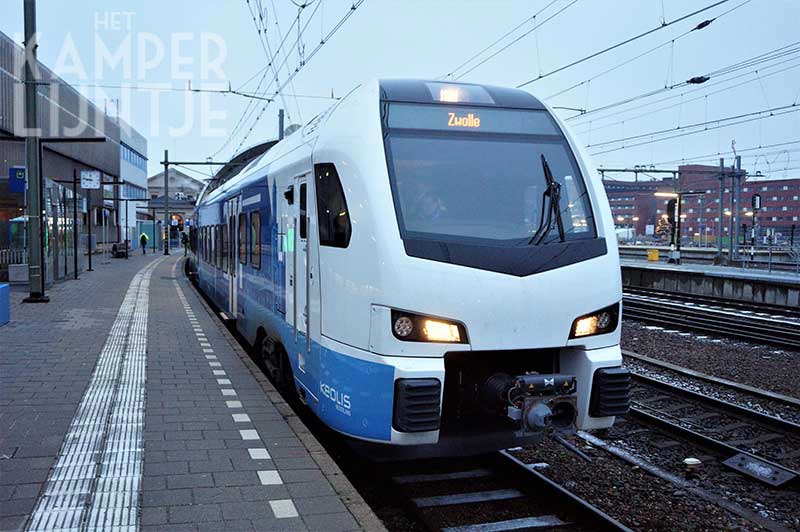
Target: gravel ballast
[[757, 365]]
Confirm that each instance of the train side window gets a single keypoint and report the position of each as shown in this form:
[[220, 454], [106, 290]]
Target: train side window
[[255, 240], [224, 233], [242, 238], [218, 246], [303, 211], [332, 213]]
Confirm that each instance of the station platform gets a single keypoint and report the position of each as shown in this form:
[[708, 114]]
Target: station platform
[[718, 271], [126, 405], [748, 285]]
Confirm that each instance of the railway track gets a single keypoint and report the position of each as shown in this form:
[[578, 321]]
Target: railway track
[[493, 493], [761, 309], [752, 442], [754, 324], [708, 384]]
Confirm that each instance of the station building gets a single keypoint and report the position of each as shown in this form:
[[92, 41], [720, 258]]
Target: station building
[[183, 193], [76, 136]]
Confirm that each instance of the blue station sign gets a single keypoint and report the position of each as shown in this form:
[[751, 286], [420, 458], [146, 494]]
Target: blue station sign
[[16, 179]]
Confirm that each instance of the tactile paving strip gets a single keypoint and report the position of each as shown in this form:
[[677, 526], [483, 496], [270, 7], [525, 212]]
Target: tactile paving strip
[[94, 484]]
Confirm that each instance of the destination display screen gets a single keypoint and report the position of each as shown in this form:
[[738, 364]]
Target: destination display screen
[[477, 119]]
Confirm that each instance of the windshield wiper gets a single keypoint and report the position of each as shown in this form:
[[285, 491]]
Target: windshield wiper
[[553, 193]]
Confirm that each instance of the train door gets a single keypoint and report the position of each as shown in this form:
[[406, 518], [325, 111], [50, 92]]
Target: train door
[[233, 208], [302, 290]]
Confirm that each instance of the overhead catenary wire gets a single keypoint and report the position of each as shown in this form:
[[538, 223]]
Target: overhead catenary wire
[[250, 109], [771, 55], [166, 87], [594, 128], [498, 40], [519, 38], [709, 156], [619, 44], [263, 39], [701, 26], [353, 7], [750, 117]]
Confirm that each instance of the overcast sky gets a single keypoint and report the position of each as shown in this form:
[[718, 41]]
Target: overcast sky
[[427, 39]]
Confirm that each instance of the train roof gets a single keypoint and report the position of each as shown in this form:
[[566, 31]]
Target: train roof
[[473, 94], [248, 165]]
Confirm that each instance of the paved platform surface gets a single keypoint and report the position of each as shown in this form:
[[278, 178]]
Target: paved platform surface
[[719, 271], [126, 405]]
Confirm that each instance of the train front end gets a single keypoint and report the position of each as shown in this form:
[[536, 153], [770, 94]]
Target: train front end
[[496, 284]]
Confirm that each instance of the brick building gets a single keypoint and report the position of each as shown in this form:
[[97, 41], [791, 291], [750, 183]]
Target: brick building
[[780, 204], [634, 204]]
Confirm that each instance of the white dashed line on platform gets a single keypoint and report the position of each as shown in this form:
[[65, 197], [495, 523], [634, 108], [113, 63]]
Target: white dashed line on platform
[[241, 418], [228, 392], [259, 453], [234, 404], [249, 434], [270, 478], [283, 508]]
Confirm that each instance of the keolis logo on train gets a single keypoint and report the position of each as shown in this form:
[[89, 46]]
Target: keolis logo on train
[[341, 400]]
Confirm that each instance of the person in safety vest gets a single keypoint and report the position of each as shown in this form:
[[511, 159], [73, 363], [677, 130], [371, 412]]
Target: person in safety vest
[[143, 242]]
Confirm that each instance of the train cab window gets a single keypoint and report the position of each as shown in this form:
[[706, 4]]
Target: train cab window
[[242, 238], [332, 213], [224, 251], [255, 240], [303, 211]]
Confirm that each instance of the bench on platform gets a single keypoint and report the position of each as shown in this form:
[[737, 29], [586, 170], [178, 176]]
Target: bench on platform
[[120, 251]]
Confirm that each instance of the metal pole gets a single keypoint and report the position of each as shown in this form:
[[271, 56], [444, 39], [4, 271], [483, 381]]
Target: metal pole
[[719, 220], [32, 156], [63, 226], [732, 208], [75, 235], [280, 124], [166, 201], [736, 183], [153, 229], [89, 227], [127, 227], [105, 237], [678, 228]]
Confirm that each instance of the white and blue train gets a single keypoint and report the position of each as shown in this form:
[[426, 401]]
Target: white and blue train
[[426, 264]]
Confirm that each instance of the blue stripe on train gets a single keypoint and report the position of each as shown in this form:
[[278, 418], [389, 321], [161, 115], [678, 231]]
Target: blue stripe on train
[[353, 396]]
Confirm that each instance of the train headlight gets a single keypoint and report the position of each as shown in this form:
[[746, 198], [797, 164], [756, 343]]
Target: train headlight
[[600, 322], [411, 327], [440, 331], [403, 326]]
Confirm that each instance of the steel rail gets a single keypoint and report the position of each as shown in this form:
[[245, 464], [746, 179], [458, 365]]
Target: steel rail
[[713, 300], [704, 440], [707, 321], [775, 423], [735, 386], [596, 517]]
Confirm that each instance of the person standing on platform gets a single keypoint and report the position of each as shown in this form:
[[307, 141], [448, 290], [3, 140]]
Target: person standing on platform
[[185, 242], [143, 242]]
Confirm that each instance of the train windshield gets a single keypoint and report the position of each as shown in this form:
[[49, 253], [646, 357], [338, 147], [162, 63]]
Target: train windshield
[[481, 178]]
